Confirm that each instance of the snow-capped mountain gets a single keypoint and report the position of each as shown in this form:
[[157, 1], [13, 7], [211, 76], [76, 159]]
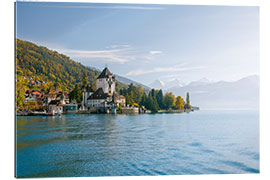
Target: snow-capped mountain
[[172, 83], [157, 84], [241, 94], [200, 82]]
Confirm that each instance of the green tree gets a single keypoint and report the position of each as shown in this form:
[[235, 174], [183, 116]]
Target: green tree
[[56, 86], [85, 80], [153, 93], [169, 100], [187, 105], [143, 100], [154, 105], [138, 94], [151, 103], [76, 94], [129, 100], [159, 97]]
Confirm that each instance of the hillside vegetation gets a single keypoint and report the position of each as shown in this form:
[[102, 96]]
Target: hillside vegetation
[[40, 63]]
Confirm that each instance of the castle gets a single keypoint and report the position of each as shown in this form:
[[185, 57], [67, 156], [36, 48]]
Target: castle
[[105, 98]]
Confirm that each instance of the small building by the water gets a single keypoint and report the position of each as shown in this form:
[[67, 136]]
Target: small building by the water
[[70, 108], [121, 100], [55, 107]]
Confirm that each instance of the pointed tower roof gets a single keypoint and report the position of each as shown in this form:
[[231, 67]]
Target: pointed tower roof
[[89, 88], [105, 73]]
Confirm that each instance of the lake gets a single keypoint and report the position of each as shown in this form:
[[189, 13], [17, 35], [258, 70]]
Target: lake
[[201, 142]]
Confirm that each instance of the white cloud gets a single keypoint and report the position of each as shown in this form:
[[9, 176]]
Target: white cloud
[[113, 53], [155, 52], [120, 55], [162, 69]]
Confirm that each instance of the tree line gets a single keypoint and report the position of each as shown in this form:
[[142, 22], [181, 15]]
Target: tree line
[[154, 99]]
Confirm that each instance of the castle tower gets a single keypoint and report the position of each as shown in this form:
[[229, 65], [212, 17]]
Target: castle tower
[[106, 81]]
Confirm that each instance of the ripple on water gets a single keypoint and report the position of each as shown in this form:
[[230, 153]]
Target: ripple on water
[[156, 144], [195, 144], [134, 166], [239, 165], [251, 155]]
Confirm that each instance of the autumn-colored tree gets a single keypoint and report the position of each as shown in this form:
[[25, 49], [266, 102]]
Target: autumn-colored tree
[[179, 103], [50, 66], [30, 105], [135, 105], [45, 87], [21, 86]]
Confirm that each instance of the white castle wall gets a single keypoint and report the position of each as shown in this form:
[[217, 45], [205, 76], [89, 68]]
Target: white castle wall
[[104, 84], [101, 83]]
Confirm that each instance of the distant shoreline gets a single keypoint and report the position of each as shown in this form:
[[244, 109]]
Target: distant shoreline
[[136, 113]]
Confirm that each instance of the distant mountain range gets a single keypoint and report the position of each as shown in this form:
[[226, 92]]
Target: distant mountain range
[[157, 84], [241, 94]]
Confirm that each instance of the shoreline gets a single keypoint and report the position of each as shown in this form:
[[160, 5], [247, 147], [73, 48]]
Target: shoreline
[[89, 113]]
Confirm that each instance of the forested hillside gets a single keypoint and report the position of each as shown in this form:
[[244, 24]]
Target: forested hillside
[[40, 63]]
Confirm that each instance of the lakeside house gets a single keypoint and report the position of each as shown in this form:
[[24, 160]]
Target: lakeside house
[[56, 103], [55, 107], [105, 99], [121, 100], [70, 108], [47, 98]]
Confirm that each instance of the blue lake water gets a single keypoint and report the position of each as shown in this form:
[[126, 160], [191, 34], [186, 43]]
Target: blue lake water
[[201, 142]]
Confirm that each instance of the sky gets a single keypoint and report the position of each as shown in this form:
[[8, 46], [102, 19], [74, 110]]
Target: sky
[[148, 42]]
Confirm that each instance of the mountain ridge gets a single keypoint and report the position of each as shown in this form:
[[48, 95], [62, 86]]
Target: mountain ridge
[[240, 94]]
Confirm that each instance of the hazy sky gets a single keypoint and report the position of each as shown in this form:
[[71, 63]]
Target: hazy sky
[[148, 42]]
